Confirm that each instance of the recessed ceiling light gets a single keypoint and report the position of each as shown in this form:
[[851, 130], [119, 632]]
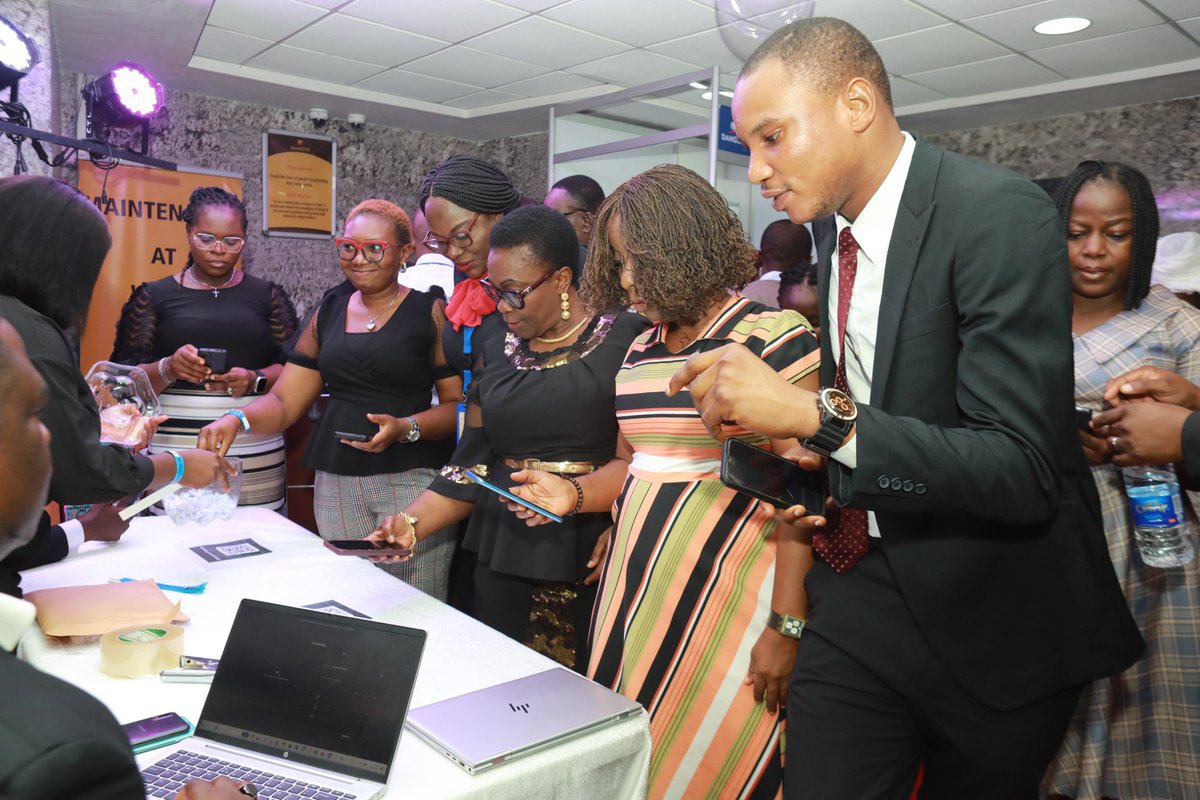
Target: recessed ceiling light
[[698, 85], [726, 93], [1057, 27], [706, 96]]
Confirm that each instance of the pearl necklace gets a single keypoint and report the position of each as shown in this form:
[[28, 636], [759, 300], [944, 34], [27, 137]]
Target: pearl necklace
[[566, 335], [216, 290], [370, 326]]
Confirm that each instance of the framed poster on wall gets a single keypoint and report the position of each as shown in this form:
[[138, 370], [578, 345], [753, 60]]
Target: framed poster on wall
[[299, 184]]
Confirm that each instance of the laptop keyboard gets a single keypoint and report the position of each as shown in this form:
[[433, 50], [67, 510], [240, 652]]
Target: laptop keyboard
[[166, 777]]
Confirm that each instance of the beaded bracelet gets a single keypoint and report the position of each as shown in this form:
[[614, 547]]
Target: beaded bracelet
[[237, 412], [162, 371], [178, 466], [579, 497]]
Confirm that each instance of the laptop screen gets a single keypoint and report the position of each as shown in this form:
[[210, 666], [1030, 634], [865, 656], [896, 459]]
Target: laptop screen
[[312, 687]]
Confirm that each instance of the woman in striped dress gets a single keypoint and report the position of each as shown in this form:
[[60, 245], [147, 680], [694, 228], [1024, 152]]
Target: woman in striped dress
[[694, 568]]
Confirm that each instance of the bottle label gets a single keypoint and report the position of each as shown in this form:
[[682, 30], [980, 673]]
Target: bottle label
[[1159, 510]]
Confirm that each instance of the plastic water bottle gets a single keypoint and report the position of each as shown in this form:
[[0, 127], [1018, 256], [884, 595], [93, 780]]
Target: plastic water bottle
[[1159, 525]]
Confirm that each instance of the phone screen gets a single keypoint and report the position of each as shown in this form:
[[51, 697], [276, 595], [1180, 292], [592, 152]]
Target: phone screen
[[491, 487], [351, 436], [769, 477], [215, 358], [151, 728]]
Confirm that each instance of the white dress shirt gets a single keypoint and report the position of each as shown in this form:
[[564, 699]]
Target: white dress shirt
[[431, 269], [873, 232], [15, 618]]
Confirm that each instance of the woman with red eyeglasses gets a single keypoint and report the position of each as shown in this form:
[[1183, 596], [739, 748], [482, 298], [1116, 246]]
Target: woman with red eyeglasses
[[379, 353]]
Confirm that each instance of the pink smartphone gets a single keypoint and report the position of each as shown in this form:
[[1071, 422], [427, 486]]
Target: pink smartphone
[[365, 548]]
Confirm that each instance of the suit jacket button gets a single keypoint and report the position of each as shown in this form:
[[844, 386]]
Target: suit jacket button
[[884, 481], [908, 486], [896, 484], [920, 488]]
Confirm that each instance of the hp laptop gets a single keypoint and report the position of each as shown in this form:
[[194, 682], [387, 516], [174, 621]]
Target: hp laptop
[[304, 704], [492, 726]]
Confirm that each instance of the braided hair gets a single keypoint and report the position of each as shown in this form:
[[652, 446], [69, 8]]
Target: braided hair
[[1145, 216], [207, 197], [471, 183]]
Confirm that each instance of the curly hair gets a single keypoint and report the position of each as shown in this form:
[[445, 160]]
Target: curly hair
[[1142, 205], [686, 248], [389, 211]]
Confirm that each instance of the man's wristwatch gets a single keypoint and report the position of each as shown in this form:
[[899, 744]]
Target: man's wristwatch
[[786, 624], [260, 383], [414, 430], [838, 413]]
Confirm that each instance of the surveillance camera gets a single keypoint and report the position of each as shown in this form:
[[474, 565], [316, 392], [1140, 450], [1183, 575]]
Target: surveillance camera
[[318, 116], [357, 121]]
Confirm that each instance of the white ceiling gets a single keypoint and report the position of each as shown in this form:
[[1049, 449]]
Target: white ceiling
[[482, 69]]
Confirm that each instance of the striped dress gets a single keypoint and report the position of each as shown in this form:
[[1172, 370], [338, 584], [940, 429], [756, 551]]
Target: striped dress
[[687, 586]]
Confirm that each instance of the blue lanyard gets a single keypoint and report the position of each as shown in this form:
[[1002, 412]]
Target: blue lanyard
[[462, 404]]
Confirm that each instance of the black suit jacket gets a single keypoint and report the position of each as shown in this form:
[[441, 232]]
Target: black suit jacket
[[58, 742], [966, 449]]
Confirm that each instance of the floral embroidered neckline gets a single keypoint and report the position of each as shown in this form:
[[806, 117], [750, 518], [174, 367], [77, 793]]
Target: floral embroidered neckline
[[521, 357]]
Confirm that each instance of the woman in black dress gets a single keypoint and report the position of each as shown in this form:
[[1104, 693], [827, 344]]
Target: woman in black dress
[[544, 401], [212, 304], [378, 351]]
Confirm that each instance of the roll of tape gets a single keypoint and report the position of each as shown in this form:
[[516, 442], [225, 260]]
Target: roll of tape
[[142, 651]]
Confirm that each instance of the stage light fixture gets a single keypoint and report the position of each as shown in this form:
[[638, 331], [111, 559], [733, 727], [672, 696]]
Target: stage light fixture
[[125, 96], [18, 55]]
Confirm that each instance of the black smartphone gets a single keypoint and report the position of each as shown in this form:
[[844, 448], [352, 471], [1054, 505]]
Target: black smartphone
[[354, 437], [147, 731], [215, 358], [365, 547], [1083, 418], [771, 478]]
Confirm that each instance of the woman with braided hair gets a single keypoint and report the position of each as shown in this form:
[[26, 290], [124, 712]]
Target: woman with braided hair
[[1136, 734], [211, 303]]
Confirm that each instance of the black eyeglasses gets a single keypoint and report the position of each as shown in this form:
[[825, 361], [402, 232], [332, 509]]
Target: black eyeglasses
[[206, 241], [515, 298], [462, 240], [373, 251]]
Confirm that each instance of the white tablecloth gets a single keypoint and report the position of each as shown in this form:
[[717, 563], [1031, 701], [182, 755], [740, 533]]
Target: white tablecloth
[[461, 655]]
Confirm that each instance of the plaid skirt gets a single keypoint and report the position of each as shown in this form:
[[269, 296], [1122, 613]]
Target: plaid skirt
[[351, 506]]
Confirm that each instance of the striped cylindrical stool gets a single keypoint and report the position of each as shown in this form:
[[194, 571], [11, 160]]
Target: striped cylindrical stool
[[264, 484]]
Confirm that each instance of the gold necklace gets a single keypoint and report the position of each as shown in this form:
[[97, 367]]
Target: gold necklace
[[216, 290], [566, 335], [370, 326]]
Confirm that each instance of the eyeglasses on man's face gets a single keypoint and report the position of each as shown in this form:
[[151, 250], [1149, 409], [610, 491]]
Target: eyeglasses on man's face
[[514, 298], [462, 240], [206, 241], [372, 250]]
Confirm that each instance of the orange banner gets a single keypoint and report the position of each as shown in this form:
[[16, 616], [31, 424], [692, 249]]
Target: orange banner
[[143, 207], [298, 184]]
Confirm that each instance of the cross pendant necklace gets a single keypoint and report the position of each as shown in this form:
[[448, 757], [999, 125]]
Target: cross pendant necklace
[[216, 290]]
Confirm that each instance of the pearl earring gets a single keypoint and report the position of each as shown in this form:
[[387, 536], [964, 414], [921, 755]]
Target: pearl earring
[[566, 305]]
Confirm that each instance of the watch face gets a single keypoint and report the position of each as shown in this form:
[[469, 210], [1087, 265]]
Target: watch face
[[839, 404]]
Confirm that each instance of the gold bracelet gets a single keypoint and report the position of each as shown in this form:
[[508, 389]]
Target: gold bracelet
[[412, 528]]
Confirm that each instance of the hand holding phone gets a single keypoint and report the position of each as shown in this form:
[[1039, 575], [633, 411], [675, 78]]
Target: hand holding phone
[[215, 358], [159, 731], [771, 478], [366, 548], [512, 498], [1083, 419], [351, 436]]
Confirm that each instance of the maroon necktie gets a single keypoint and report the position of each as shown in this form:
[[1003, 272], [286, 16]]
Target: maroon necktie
[[846, 540]]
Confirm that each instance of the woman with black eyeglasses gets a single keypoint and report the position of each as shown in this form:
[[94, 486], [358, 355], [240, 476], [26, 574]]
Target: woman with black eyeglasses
[[378, 351], [176, 328], [544, 401]]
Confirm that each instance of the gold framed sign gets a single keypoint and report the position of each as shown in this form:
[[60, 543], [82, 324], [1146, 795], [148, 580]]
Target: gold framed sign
[[299, 184]]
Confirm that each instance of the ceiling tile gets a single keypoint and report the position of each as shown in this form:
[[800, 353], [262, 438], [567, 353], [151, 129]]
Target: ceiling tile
[[707, 49], [907, 93], [318, 66], [223, 45], [448, 20], [532, 6], [489, 97], [267, 19], [327, 4], [1145, 47], [983, 77], [633, 68], [550, 44], [896, 18], [1192, 26], [960, 9], [934, 48], [338, 34], [466, 65], [1177, 9], [637, 22], [1014, 28], [550, 83], [416, 87]]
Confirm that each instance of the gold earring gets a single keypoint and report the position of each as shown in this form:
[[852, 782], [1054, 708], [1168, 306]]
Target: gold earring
[[566, 305]]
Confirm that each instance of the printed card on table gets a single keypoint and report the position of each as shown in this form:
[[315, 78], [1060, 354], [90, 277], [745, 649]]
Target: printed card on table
[[242, 548], [334, 607]]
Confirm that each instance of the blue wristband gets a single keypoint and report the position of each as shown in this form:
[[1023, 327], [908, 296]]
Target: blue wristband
[[238, 413], [178, 466]]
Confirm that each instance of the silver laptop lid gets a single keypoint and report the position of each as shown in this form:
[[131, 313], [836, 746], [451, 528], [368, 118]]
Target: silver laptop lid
[[519, 716], [314, 688]]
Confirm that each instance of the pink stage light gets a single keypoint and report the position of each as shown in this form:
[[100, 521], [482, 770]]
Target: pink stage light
[[136, 91]]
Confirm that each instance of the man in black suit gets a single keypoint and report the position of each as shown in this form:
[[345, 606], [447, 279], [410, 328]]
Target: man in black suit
[[56, 741], [964, 593], [1155, 419]]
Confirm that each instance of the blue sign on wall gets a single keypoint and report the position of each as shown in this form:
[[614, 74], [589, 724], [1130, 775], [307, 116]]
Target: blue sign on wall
[[728, 140]]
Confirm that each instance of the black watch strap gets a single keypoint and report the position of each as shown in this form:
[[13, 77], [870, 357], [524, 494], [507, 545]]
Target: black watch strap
[[829, 436]]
